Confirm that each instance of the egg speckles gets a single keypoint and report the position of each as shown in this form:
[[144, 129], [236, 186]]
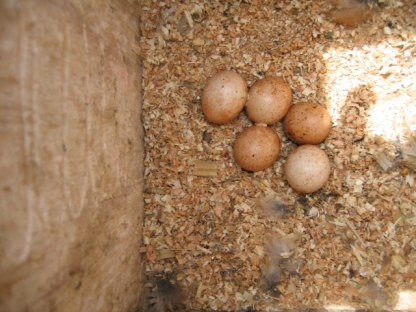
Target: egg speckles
[[224, 97], [307, 168], [307, 123], [256, 148], [269, 100]]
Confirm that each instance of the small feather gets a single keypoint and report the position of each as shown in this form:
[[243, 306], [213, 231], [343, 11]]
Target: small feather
[[274, 207], [271, 274], [292, 266], [278, 247], [165, 294]]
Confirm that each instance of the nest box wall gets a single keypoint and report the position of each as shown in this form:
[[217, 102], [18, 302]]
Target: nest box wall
[[71, 155]]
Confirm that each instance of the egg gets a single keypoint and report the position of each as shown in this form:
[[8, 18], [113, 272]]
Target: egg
[[224, 97], [307, 123], [256, 148], [307, 168], [269, 100]]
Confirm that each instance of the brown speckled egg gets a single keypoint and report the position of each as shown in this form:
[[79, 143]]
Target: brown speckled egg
[[307, 168], [307, 123], [224, 97], [256, 148], [269, 100]]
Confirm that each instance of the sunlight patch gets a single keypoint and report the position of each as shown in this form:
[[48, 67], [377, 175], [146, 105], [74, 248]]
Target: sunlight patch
[[406, 300], [362, 77]]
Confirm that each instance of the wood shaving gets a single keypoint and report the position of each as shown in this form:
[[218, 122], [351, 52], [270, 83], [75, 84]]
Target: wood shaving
[[205, 169]]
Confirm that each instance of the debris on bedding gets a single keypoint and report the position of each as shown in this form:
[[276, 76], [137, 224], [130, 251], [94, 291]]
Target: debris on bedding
[[165, 295]]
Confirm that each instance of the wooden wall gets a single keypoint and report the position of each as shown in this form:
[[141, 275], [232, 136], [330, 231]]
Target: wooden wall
[[71, 155]]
